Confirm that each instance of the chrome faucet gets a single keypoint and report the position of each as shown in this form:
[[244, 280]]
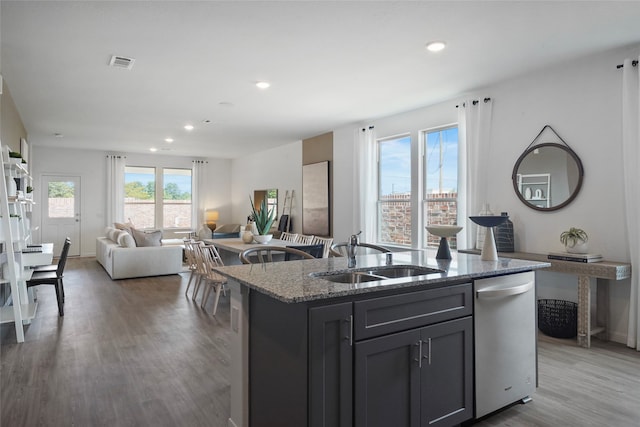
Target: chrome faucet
[[351, 249]]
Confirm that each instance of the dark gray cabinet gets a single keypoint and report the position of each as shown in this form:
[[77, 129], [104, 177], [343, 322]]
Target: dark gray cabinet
[[420, 377], [331, 365], [401, 359]]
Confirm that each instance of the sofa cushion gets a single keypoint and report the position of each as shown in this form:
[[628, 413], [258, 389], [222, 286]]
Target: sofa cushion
[[126, 240], [149, 238], [127, 226]]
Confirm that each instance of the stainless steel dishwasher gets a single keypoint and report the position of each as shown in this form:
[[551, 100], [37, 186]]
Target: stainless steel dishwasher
[[505, 341]]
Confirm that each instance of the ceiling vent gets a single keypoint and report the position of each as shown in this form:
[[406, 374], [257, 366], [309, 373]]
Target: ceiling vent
[[121, 62]]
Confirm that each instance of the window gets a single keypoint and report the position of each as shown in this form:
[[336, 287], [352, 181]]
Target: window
[[140, 196], [394, 190], [440, 201], [176, 204]]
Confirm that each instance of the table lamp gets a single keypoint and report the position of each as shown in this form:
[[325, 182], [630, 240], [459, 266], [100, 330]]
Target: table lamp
[[210, 218]]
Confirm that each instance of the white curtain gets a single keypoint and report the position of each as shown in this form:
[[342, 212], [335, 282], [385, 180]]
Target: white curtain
[[474, 136], [115, 189], [631, 167], [364, 190], [198, 172]]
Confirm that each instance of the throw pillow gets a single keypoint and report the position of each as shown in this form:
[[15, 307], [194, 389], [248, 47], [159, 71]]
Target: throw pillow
[[126, 240], [127, 226], [144, 239]]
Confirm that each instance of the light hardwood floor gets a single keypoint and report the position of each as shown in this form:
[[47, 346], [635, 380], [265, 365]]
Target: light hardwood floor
[[138, 353]]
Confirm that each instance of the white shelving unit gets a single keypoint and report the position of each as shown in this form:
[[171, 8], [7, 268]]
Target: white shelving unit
[[535, 188], [15, 233]]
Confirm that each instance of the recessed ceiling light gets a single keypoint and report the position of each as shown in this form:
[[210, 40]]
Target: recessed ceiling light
[[436, 46], [58, 135], [263, 85], [168, 140], [188, 127], [153, 149], [206, 121]]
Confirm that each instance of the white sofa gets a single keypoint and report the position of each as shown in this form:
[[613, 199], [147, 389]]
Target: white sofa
[[122, 262]]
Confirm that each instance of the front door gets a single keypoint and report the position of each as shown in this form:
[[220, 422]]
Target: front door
[[61, 212]]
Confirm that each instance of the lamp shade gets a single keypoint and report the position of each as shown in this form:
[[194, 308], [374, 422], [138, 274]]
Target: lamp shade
[[210, 218]]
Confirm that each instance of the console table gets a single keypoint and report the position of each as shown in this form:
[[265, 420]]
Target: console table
[[608, 270]]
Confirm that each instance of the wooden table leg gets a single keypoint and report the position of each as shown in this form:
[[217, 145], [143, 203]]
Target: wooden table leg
[[602, 310], [584, 306]]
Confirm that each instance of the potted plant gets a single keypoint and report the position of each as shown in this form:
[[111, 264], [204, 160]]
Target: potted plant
[[29, 192], [263, 219], [15, 157], [575, 240]]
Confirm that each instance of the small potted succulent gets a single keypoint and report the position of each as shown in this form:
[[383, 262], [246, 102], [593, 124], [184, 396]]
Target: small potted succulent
[[15, 157], [263, 219], [575, 240]]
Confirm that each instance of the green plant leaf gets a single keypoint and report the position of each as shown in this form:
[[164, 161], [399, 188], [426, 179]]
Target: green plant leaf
[[263, 217]]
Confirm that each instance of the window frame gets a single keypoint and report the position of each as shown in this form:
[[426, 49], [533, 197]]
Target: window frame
[[424, 195], [380, 202], [159, 204]]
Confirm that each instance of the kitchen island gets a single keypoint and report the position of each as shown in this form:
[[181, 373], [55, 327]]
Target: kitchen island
[[307, 350]]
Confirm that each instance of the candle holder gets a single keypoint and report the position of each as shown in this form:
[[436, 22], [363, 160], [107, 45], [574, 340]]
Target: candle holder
[[489, 252], [443, 231]]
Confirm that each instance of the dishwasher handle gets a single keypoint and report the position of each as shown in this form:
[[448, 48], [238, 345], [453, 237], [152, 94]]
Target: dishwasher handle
[[504, 291]]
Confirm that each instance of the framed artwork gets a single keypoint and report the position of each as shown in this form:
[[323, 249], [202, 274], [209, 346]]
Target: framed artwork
[[315, 199]]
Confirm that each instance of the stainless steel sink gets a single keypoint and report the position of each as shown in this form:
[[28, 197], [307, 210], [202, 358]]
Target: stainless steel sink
[[396, 271], [349, 277], [378, 273]]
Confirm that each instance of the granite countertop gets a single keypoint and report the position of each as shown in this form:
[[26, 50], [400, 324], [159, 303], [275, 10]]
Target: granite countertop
[[290, 281]]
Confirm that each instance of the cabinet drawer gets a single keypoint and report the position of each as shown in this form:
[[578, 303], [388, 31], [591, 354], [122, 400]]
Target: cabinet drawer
[[379, 316]]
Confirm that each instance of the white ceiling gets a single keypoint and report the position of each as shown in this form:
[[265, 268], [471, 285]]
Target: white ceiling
[[330, 63]]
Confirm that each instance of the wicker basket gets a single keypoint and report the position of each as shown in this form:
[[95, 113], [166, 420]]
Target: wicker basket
[[558, 318]]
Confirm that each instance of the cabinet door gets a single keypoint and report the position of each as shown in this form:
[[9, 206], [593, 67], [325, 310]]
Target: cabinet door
[[330, 366], [387, 381], [447, 373]]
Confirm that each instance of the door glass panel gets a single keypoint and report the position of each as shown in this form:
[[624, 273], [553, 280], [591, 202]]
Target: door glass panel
[[61, 195]]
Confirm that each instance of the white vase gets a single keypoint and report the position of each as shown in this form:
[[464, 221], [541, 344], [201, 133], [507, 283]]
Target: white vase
[[12, 188], [480, 232], [580, 247], [247, 236], [263, 238]]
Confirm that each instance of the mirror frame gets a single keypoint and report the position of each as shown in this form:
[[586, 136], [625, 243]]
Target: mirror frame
[[566, 148]]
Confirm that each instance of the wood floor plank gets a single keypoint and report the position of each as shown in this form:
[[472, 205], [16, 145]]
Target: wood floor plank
[[139, 353]]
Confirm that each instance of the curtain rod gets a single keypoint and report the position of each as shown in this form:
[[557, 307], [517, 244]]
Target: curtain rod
[[475, 102], [370, 127], [634, 63]]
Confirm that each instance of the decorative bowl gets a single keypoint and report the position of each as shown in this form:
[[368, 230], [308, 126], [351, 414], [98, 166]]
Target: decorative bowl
[[443, 230], [488, 220], [263, 238]]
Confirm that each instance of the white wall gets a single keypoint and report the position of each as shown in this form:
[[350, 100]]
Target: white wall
[[581, 100], [280, 168], [90, 166]]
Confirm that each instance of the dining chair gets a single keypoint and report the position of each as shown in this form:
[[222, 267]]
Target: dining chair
[[263, 255], [215, 280], [192, 264], [52, 267], [326, 241], [304, 239], [340, 249], [289, 237], [53, 278], [313, 250]]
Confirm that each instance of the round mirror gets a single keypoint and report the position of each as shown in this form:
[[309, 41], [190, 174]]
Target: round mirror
[[547, 176]]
